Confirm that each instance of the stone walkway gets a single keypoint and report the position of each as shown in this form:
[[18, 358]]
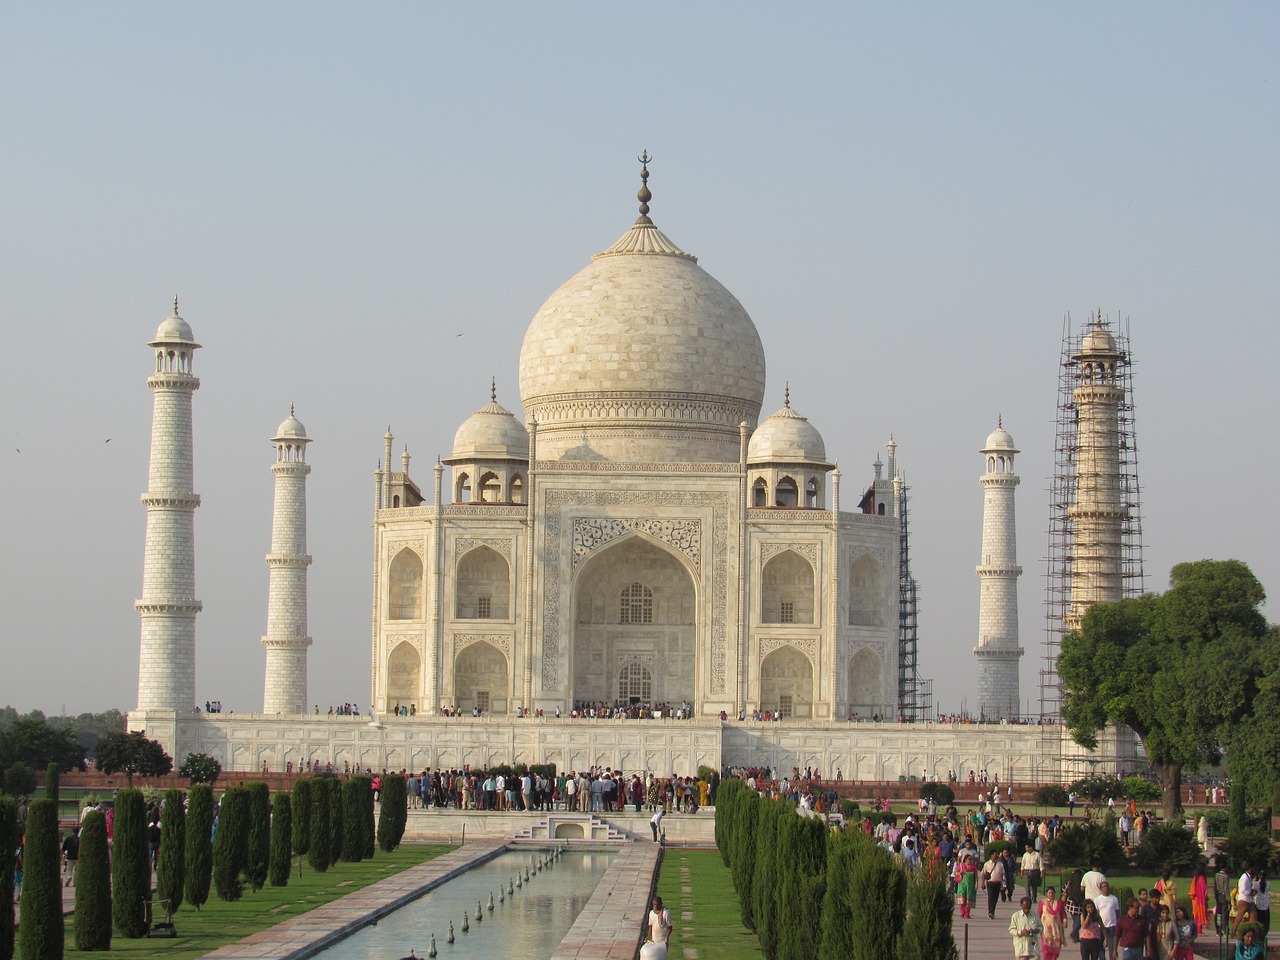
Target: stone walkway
[[612, 923]]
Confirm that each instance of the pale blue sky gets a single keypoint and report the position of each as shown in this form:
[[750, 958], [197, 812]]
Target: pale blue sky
[[907, 198]]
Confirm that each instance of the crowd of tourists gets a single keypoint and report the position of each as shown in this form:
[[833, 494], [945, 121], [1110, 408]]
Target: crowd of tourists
[[598, 790]]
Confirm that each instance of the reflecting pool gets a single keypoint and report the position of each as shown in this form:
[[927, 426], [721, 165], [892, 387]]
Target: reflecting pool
[[528, 920]]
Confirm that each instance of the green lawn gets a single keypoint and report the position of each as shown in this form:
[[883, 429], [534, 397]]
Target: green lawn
[[705, 919], [219, 923]]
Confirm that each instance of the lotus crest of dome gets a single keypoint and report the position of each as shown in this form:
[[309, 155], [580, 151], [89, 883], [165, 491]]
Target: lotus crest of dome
[[786, 437], [491, 433]]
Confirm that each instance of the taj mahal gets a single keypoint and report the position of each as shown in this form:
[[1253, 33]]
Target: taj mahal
[[642, 537]]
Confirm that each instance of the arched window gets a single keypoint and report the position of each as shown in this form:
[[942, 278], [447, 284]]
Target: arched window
[[760, 493], [637, 604], [404, 594], [490, 488], [787, 495], [635, 683], [787, 594], [866, 592], [517, 489], [484, 586], [880, 510], [463, 493], [812, 498]]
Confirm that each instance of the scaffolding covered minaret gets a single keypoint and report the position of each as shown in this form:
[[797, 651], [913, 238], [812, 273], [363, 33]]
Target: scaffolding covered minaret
[[1095, 524]]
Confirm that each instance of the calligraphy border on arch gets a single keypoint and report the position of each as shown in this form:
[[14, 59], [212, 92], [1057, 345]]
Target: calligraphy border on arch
[[770, 550], [592, 533], [553, 547], [502, 545], [501, 641]]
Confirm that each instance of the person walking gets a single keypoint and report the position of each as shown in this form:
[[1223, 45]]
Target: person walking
[[1092, 934], [993, 882], [1200, 899], [71, 854], [1024, 927], [1032, 866], [1073, 904], [1051, 910], [658, 932], [966, 883]]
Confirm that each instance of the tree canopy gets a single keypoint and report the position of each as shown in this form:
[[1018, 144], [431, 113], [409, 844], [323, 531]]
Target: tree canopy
[[33, 740], [132, 753], [1182, 669]]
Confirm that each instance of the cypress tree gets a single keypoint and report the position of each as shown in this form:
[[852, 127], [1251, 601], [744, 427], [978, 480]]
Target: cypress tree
[[730, 792], [836, 941], [301, 808], [40, 937], [258, 852], [926, 935], [368, 819], [334, 788], [318, 846], [803, 885], [763, 888], [743, 856], [230, 843], [198, 849], [352, 827], [51, 784], [130, 865], [879, 889], [172, 868], [394, 813], [281, 838], [93, 886], [1239, 810], [8, 843]]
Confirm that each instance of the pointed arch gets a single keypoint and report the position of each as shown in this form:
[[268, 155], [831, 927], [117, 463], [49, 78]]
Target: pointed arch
[[786, 494], [866, 684], [866, 592], [787, 589], [462, 488], [481, 678], [813, 494], [404, 586], [786, 683], [490, 488], [404, 676], [760, 493], [483, 585], [516, 492]]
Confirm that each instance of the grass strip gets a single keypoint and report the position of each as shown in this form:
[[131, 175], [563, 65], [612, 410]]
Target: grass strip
[[220, 923], [713, 927]]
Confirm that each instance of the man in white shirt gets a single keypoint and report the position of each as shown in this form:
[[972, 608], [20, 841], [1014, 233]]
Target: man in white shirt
[[659, 926], [1108, 905], [1032, 866], [1092, 883]]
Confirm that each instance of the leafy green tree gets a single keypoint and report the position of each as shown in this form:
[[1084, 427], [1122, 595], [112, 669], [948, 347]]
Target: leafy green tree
[[8, 843], [1169, 845], [318, 846], [394, 812], [1140, 790], [19, 779], [258, 853], [301, 809], [172, 868], [926, 933], [93, 886], [130, 865], [132, 754], [35, 741], [1051, 795], [1238, 797], [230, 844], [198, 849], [1087, 844], [200, 768], [41, 935], [939, 793], [281, 839], [1181, 669]]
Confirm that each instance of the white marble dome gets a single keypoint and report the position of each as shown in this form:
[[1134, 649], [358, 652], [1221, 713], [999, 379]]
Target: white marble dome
[[173, 329], [1098, 339], [642, 356], [786, 437], [290, 428], [999, 439], [491, 433]]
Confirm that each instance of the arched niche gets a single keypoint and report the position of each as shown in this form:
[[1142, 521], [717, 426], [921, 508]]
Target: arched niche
[[866, 684], [787, 589], [404, 586], [483, 586], [786, 683], [787, 493], [634, 603], [760, 493], [490, 488], [866, 592], [404, 676], [481, 678]]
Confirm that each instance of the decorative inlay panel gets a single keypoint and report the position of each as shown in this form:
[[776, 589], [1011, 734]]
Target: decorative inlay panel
[[806, 645], [879, 551], [770, 550], [463, 544], [394, 640], [499, 640], [417, 546], [589, 533]]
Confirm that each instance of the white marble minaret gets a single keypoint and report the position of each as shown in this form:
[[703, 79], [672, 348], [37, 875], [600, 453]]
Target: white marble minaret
[[997, 650], [287, 640], [167, 661]]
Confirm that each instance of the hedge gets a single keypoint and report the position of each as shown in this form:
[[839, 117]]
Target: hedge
[[198, 850], [42, 933], [130, 865], [393, 813], [171, 870], [281, 840], [93, 886]]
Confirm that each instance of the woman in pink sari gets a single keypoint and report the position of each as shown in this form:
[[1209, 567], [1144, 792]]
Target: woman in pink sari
[[1200, 900], [1051, 920]]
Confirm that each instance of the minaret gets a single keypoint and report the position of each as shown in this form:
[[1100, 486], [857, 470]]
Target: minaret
[[997, 650], [286, 640], [1097, 513], [168, 608]]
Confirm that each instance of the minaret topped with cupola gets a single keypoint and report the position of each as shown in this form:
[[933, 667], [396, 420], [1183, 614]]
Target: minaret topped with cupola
[[998, 651]]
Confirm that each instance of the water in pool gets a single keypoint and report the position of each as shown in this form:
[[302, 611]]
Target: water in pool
[[528, 923]]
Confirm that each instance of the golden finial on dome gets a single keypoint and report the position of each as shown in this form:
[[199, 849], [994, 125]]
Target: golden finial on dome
[[644, 196], [786, 395], [175, 305], [493, 389]]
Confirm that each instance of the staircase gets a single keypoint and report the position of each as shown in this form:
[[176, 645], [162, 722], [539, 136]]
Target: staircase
[[571, 826]]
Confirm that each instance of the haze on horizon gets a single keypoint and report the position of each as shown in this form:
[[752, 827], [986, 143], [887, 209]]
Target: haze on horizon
[[361, 208]]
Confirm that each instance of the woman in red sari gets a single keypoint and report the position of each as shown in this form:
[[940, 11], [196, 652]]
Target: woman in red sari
[[1051, 912], [1200, 900]]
